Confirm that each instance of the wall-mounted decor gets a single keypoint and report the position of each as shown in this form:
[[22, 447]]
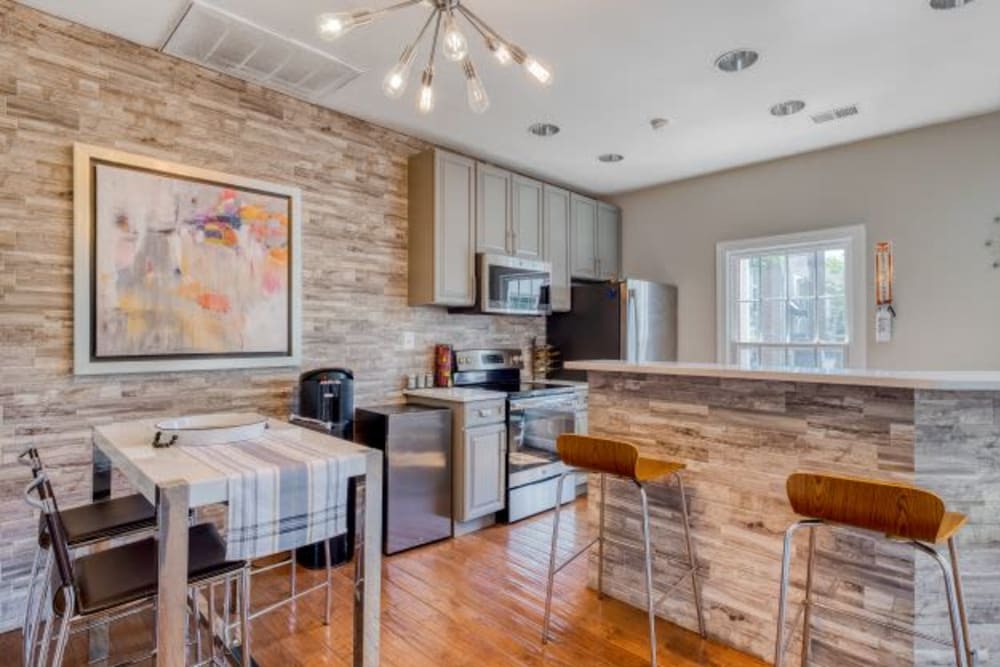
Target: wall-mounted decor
[[993, 242], [178, 268]]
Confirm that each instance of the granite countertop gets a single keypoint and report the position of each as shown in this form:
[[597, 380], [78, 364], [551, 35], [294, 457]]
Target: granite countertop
[[456, 394], [943, 380]]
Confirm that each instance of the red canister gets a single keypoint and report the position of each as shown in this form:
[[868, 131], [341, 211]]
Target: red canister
[[442, 365]]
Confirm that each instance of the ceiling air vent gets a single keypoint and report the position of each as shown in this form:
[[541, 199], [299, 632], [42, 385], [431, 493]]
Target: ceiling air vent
[[232, 45], [835, 114]]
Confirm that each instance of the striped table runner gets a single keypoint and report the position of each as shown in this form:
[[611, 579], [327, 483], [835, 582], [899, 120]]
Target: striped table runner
[[283, 493]]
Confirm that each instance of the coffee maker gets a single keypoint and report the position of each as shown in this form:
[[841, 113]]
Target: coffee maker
[[326, 399]]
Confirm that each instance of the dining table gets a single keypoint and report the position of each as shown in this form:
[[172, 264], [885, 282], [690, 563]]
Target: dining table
[[177, 481]]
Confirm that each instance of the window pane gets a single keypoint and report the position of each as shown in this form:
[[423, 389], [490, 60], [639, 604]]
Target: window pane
[[748, 357], [772, 321], [831, 357], [748, 326], [772, 357], [833, 320], [802, 320], [772, 276], [802, 357], [834, 263], [802, 274], [749, 277]]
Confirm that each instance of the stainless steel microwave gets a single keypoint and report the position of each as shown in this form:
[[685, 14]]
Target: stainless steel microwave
[[512, 286]]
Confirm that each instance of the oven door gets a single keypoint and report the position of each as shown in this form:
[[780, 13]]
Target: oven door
[[512, 286], [534, 425]]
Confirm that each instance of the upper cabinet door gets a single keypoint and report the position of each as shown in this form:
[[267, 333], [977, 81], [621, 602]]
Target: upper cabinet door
[[609, 234], [557, 245], [454, 267], [583, 237], [526, 227], [493, 214]]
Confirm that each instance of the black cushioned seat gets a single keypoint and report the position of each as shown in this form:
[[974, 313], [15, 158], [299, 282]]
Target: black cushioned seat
[[129, 573], [105, 519]]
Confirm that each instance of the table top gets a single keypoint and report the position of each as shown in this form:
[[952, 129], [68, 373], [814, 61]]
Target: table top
[[941, 380], [129, 447]]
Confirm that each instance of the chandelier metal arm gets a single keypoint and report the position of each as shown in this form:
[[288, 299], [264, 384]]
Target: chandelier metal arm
[[434, 41], [423, 31], [480, 25], [376, 13]]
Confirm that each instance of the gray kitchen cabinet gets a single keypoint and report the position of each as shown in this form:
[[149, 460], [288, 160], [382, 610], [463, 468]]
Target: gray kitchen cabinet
[[442, 239], [583, 237], [493, 210], [556, 248], [526, 226], [609, 234], [483, 461]]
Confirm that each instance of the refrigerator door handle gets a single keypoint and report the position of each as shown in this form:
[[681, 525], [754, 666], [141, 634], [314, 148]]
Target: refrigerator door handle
[[632, 319]]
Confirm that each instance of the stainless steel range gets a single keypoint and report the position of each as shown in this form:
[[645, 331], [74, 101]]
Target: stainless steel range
[[537, 413]]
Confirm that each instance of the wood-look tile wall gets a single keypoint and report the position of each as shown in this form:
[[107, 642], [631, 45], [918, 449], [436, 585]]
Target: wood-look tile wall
[[741, 439], [60, 83]]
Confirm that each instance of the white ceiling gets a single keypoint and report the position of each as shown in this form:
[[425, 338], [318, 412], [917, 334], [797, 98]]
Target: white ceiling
[[619, 63]]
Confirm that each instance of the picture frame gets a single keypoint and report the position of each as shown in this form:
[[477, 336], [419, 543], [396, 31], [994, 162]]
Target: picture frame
[[178, 268]]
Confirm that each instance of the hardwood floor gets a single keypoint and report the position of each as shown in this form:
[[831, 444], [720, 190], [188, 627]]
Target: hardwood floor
[[476, 600]]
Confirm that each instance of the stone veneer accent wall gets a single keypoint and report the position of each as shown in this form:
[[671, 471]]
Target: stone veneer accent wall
[[740, 440], [60, 83]]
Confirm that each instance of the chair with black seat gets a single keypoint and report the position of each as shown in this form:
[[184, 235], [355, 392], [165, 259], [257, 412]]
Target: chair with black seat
[[99, 587], [85, 526]]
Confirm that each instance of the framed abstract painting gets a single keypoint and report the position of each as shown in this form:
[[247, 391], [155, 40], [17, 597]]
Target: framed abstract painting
[[178, 268]]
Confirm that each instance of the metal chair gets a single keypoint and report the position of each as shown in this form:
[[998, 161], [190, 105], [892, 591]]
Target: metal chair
[[98, 588], [903, 513], [622, 460], [85, 527]]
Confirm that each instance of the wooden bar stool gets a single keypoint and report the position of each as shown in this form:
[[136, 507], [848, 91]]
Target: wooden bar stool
[[900, 511], [623, 460]]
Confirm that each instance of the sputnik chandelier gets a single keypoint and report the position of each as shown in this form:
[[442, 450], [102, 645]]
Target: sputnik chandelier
[[454, 47]]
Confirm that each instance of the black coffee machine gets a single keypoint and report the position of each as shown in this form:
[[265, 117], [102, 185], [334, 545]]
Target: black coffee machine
[[326, 403], [326, 396]]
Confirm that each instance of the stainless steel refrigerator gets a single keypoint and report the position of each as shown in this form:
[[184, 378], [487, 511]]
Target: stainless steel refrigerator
[[631, 320]]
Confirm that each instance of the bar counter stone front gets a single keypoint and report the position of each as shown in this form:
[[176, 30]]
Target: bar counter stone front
[[741, 434]]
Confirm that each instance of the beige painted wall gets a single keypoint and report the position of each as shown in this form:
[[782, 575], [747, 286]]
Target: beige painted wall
[[933, 192]]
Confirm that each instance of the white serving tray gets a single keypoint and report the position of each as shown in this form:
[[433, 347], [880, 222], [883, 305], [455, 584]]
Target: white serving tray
[[212, 429]]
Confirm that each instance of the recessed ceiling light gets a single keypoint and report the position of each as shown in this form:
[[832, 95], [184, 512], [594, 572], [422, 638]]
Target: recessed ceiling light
[[949, 4], [788, 108], [611, 157], [543, 129], [737, 60], [659, 123]]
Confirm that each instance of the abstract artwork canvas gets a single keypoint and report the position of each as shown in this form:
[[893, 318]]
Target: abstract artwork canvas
[[187, 269]]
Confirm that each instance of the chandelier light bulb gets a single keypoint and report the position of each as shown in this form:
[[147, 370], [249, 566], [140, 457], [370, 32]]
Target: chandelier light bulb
[[394, 83], [500, 51], [425, 101], [540, 72], [479, 101], [454, 46], [331, 26]]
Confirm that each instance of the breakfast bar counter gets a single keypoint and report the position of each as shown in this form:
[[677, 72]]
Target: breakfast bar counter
[[741, 433]]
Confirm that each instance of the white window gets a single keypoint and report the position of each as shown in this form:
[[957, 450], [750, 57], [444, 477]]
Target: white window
[[795, 300]]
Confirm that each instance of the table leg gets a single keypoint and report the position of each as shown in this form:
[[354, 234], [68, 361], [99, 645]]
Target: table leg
[[98, 642], [368, 563], [171, 602]]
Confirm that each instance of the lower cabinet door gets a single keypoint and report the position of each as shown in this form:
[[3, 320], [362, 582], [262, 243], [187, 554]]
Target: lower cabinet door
[[484, 470]]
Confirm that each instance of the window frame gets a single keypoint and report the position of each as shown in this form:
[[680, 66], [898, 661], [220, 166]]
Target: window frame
[[851, 237]]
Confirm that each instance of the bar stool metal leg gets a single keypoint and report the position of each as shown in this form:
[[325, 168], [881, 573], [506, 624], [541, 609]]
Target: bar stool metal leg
[[960, 597], [808, 603], [786, 566], [692, 561], [552, 560], [329, 582], [245, 659], [648, 553], [600, 538], [960, 651], [31, 629]]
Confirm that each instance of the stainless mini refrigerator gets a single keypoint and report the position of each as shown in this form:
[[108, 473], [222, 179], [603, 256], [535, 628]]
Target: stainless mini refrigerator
[[631, 320], [416, 489]]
